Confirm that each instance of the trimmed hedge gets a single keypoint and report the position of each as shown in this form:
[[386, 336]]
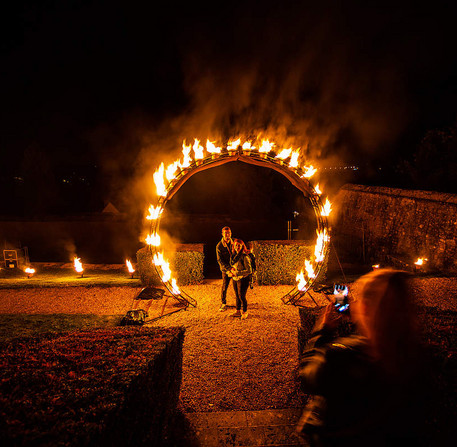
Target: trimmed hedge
[[278, 262], [186, 263], [115, 387]]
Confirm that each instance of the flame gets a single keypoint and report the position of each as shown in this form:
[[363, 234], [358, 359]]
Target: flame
[[294, 159], [159, 181], [29, 270], [211, 148], [198, 150], [78, 266], [170, 172], [285, 153], [159, 260], [233, 145], [266, 147], [376, 266], [309, 171], [322, 237], [153, 239], [317, 189], [301, 281], [420, 261], [327, 208], [174, 286], [187, 160], [154, 212], [309, 269], [129, 266], [247, 146]]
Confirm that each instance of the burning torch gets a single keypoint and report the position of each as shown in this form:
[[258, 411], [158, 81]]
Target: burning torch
[[130, 268], [78, 266]]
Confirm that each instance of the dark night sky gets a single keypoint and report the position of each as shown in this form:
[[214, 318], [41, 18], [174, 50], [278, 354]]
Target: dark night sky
[[118, 85]]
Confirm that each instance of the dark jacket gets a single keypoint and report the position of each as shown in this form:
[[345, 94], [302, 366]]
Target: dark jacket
[[353, 403], [241, 262], [223, 252]]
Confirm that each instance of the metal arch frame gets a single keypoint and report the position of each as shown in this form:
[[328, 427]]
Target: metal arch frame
[[294, 175]]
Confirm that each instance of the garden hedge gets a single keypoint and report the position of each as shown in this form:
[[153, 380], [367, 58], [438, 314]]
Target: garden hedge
[[186, 264], [105, 387], [278, 262]]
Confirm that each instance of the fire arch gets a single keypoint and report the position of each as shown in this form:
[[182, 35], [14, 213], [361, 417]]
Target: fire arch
[[168, 181]]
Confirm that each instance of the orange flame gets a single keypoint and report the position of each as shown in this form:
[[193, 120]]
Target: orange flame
[[247, 146], [322, 237], [309, 269], [285, 153], [170, 172], [294, 159], [198, 150], [211, 148], [187, 159], [77, 264], [174, 286], [154, 212], [153, 239], [30, 271], [420, 261], [326, 208], [376, 266], [159, 181], [129, 266], [301, 281], [309, 171], [233, 145], [317, 189], [266, 147], [159, 261]]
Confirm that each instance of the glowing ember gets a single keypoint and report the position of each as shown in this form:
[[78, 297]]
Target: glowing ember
[[30, 271], [233, 145], [198, 150], [309, 171], [327, 208], [322, 237], [153, 239], [266, 147], [420, 261], [376, 266], [285, 153], [211, 148], [187, 159], [77, 264], [159, 181], [154, 212], [294, 159], [317, 189], [129, 266]]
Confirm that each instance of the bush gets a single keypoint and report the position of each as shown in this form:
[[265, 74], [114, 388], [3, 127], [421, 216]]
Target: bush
[[100, 387], [278, 262], [186, 263]]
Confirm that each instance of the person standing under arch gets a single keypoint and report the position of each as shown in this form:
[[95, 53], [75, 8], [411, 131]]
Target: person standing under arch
[[224, 251]]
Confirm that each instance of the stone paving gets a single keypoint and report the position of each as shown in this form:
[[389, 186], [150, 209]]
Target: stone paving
[[246, 428]]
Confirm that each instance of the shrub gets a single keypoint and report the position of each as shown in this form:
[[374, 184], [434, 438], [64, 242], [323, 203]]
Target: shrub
[[99, 387]]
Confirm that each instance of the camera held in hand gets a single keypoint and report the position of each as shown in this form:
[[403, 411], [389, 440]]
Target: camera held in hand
[[340, 298]]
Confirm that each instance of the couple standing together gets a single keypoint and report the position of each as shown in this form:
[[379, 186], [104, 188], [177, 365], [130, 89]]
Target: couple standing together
[[236, 263]]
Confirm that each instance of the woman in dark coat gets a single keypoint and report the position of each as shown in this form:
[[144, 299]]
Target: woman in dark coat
[[241, 274]]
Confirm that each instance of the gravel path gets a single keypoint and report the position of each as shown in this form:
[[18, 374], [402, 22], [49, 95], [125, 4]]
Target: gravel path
[[228, 364]]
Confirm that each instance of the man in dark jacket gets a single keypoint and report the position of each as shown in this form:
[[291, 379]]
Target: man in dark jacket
[[224, 251]]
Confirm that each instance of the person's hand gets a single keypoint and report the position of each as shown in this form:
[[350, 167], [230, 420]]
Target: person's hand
[[330, 318], [229, 274]]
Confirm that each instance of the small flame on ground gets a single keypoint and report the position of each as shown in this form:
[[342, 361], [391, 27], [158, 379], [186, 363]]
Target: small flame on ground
[[78, 265], [30, 271], [420, 261], [129, 266], [375, 266]]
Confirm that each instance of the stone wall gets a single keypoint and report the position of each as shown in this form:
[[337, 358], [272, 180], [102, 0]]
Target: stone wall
[[395, 224]]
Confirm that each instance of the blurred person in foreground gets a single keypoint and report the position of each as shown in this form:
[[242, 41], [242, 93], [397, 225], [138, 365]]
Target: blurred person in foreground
[[366, 389]]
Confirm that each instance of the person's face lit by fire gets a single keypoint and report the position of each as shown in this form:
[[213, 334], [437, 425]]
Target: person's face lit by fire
[[226, 234]]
